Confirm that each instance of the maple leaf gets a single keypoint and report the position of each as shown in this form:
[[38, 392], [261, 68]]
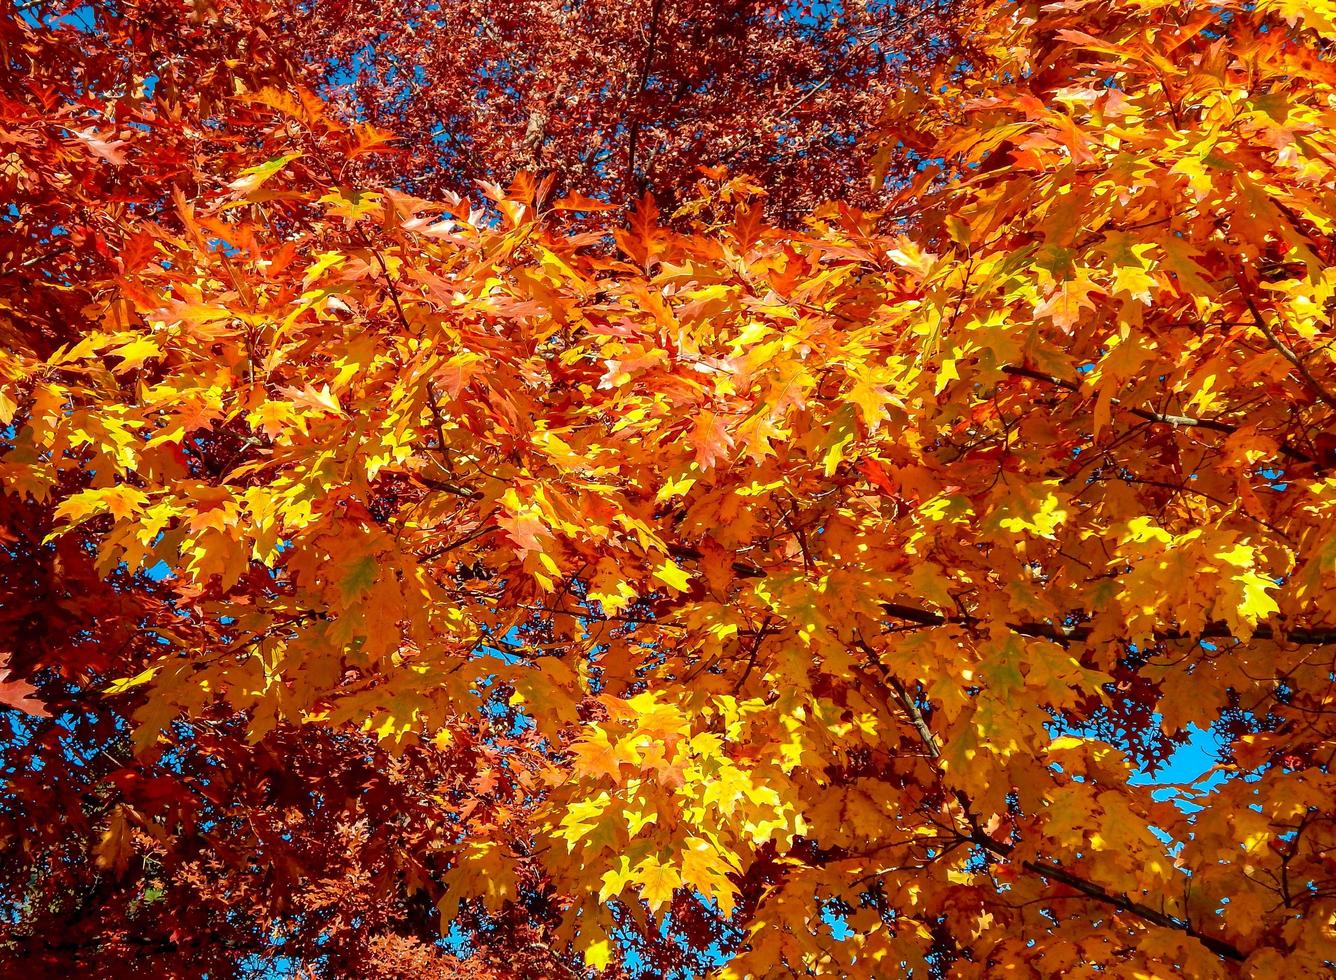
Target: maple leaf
[[120, 501], [657, 881], [711, 438], [253, 178], [134, 353], [673, 576], [596, 755], [116, 848], [19, 694], [109, 150]]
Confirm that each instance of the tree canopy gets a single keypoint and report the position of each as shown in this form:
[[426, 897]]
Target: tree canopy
[[781, 562], [615, 99]]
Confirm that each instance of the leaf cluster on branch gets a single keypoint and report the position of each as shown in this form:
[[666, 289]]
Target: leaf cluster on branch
[[397, 585]]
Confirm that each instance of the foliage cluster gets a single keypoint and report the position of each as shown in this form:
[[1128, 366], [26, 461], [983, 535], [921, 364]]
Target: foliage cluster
[[523, 585]]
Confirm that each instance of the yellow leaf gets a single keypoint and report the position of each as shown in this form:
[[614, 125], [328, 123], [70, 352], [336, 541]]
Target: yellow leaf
[[704, 869], [135, 353], [672, 576], [251, 179], [323, 261], [598, 954], [595, 756], [271, 417], [123, 684], [908, 255], [119, 501], [657, 881], [616, 879], [1256, 604], [676, 486]]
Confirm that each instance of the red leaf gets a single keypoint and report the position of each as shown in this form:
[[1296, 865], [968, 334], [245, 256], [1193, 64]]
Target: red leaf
[[19, 694], [109, 150]]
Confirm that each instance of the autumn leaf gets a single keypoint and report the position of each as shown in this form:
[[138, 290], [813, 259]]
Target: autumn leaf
[[657, 881], [19, 694], [116, 848], [108, 150], [253, 178]]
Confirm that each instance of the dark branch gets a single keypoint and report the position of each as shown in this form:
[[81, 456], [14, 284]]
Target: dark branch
[[1083, 632], [1309, 379], [1080, 633], [1051, 871], [1184, 421]]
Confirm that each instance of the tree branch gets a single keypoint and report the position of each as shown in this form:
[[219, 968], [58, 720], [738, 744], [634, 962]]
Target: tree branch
[[1215, 630], [1313, 384], [1121, 902], [1083, 632], [1185, 421], [446, 486], [634, 136], [1043, 868]]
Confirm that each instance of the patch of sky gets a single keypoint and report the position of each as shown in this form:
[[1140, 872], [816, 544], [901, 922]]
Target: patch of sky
[[82, 19], [1275, 477], [228, 249], [1188, 763]]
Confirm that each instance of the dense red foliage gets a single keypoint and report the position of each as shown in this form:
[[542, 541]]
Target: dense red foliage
[[621, 97], [308, 844]]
